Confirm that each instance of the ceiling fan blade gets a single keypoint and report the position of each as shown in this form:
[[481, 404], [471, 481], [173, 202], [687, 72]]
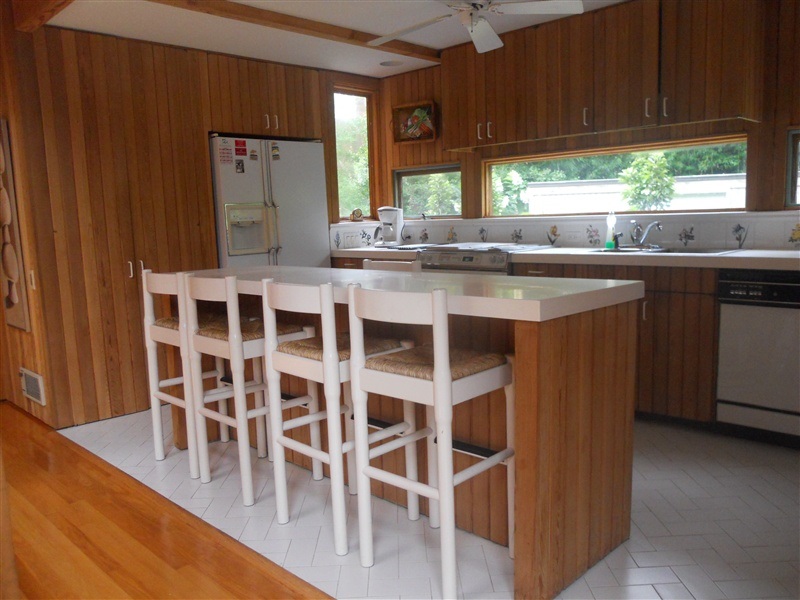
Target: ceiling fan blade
[[396, 34], [540, 7], [482, 34]]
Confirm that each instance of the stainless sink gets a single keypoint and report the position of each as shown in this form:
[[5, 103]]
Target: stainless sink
[[638, 250], [631, 249], [700, 251]]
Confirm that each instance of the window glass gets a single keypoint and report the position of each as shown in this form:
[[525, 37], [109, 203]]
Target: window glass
[[352, 152], [698, 177], [793, 189], [430, 192]]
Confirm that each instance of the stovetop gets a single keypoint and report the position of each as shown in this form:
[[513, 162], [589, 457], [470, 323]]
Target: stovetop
[[490, 257]]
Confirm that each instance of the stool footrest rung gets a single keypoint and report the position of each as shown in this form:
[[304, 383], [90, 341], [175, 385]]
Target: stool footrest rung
[[404, 483], [226, 393], [258, 412], [165, 383], [308, 419], [399, 442], [480, 467], [164, 397], [292, 402], [304, 449], [212, 414], [389, 431]]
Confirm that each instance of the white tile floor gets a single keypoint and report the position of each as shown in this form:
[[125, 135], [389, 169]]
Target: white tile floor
[[713, 518]]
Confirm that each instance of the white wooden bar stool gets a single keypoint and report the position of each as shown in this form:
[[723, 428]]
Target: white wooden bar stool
[[325, 360], [391, 265], [439, 378], [237, 340], [172, 331]]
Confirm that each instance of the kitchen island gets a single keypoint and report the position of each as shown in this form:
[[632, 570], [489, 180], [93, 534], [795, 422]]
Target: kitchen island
[[575, 347]]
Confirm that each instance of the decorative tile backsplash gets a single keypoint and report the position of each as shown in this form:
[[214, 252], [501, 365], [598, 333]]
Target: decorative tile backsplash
[[779, 230]]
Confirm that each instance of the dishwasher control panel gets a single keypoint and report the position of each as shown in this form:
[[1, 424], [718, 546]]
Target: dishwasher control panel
[[759, 288]]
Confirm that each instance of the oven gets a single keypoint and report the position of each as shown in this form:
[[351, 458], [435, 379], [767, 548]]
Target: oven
[[758, 383], [471, 257]]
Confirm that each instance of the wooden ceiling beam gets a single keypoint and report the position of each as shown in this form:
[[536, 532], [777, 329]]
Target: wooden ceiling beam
[[275, 20], [29, 15]]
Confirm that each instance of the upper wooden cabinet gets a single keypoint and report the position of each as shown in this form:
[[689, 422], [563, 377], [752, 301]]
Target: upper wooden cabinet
[[631, 65], [626, 44], [260, 98], [483, 95], [712, 54]]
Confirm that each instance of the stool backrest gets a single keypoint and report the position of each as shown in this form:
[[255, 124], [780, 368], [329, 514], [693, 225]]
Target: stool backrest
[[411, 308], [162, 284], [216, 289], [391, 265]]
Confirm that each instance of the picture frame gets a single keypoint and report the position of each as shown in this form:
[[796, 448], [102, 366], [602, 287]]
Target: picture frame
[[12, 273], [415, 122]]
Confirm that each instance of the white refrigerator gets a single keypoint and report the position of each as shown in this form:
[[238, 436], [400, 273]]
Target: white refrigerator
[[271, 202]]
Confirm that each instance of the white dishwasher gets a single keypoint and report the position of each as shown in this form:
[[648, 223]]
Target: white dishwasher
[[758, 383]]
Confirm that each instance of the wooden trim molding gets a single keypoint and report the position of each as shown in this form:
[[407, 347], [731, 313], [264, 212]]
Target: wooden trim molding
[[29, 15], [276, 20]]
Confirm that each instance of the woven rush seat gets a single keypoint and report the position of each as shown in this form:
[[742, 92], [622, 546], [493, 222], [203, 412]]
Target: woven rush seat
[[252, 329], [173, 322], [418, 362], [311, 348]]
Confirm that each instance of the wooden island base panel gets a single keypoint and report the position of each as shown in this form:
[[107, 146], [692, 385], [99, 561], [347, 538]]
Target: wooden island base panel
[[84, 529], [575, 380]]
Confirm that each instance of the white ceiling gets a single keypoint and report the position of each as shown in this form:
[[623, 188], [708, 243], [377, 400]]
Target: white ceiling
[[143, 20]]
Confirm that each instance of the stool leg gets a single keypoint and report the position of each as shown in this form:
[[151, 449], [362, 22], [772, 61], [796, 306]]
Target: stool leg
[[511, 462], [196, 373], [349, 436], [332, 397], [278, 451], [261, 424], [433, 471], [410, 417], [447, 511], [191, 421], [224, 432], [155, 403], [364, 490], [242, 433], [316, 438]]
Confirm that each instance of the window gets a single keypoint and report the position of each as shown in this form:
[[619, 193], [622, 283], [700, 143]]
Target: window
[[793, 179], [434, 192], [697, 177], [352, 152]]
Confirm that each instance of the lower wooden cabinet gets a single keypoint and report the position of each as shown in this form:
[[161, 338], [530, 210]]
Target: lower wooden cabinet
[[678, 329], [346, 263]]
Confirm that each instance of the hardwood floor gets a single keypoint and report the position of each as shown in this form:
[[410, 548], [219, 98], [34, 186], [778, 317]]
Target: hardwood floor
[[83, 529]]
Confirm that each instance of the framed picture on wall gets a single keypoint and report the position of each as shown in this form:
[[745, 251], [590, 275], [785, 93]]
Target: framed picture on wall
[[414, 122], [12, 283]]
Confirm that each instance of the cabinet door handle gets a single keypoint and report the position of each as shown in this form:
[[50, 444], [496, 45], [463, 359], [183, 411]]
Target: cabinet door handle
[[586, 117], [647, 108], [644, 310], [489, 129], [535, 273], [32, 278], [479, 131], [664, 107], [266, 120], [277, 125], [130, 269], [349, 264], [141, 265]]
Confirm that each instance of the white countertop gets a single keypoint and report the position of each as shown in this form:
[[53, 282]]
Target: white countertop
[[785, 260], [478, 295]]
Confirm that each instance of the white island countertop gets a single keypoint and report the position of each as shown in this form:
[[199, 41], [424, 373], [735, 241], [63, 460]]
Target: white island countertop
[[477, 295]]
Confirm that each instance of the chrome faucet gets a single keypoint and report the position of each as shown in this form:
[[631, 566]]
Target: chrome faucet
[[656, 224], [636, 233]]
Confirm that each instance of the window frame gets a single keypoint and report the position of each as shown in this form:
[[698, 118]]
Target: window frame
[[398, 174], [369, 92], [643, 147], [792, 168]]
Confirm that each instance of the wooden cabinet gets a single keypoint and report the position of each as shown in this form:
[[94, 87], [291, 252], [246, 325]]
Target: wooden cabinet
[[259, 98], [483, 95], [712, 54], [560, 84], [630, 65], [626, 39], [677, 350], [346, 263]]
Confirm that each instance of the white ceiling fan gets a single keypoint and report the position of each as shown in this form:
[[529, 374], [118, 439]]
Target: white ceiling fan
[[479, 29]]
